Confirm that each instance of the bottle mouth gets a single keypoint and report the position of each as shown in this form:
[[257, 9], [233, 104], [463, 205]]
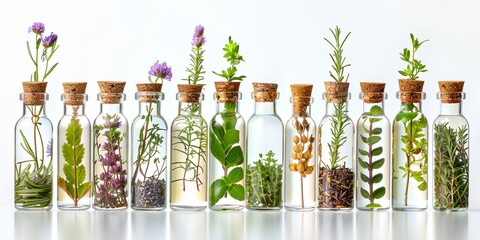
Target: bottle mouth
[[34, 98], [265, 96], [451, 97], [190, 97], [373, 97], [111, 98], [336, 97], [411, 97], [149, 96], [223, 97]]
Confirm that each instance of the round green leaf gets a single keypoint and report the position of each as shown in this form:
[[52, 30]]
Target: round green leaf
[[364, 193], [378, 178], [376, 110], [379, 163], [364, 177], [379, 193], [235, 175], [237, 191]]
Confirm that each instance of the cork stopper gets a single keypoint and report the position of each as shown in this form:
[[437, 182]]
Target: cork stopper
[[265, 92], [111, 92], [372, 92], [336, 92], [74, 92], [227, 91], [410, 90], [34, 93], [451, 91], [147, 92], [190, 93], [301, 94]]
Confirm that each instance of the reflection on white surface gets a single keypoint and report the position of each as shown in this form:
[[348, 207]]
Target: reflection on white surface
[[264, 225], [335, 225], [372, 225], [226, 225], [110, 225], [74, 225], [149, 225], [299, 225], [188, 225], [451, 226], [33, 225], [409, 225]]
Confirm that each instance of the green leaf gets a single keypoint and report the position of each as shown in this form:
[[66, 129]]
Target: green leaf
[[364, 177], [374, 120], [217, 191], [376, 110], [83, 189], [62, 184], [379, 193], [235, 175], [379, 163], [237, 191], [373, 205], [67, 152], [79, 154], [373, 139], [376, 131], [378, 178], [216, 149], [406, 116], [218, 130], [74, 132], [377, 151], [234, 157], [81, 174], [232, 136], [363, 152], [68, 171], [364, 193], [364, 139], [423, 186], [362, 163]]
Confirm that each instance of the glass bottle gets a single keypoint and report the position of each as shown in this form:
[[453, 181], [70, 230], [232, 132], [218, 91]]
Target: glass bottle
[[410, 149], [373, 150], [110, 149], [189, 154], [264, 151], [33, 151], [74, 141], [336, 150], [227, 145], [300, 131], [451, 150], [149, 151]]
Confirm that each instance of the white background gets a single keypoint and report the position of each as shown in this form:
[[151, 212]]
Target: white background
[[281, 41]]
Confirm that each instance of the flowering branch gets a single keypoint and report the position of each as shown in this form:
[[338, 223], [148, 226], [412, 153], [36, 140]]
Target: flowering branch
[[47, 42], [196, 66]]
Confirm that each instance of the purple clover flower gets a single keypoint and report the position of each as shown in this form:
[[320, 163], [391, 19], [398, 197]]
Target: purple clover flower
[[37, 28], [198, 38], [49, 40], [161, 71]]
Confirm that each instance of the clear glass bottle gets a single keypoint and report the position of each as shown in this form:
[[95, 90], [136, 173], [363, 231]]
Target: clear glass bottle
[[148, 182], [300, 151], [373, 150], [410, 149], [451, 150], [189, 154], [110, 149], [227, 146], [336, 150], [33, 151], [264, 151], [74, 141]]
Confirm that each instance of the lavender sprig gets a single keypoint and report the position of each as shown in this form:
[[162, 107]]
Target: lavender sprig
[[49, 44], [196, 57], [161, 71]]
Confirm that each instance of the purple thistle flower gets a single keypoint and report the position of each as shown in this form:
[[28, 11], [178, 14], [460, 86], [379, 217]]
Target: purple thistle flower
[[49, 148], [37, 28], [198, 38], [161, 71], [49, 40]]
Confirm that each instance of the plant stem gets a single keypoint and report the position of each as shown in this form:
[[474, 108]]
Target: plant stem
[[142, 148], [409, 156], [301, 190], [225, 174], [198, 165], [370, 165], [35, 75]]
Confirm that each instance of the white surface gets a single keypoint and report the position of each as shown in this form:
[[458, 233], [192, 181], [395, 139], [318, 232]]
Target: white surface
[[282, 41]]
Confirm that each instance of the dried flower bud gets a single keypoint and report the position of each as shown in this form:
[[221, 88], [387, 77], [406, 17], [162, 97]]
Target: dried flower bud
[[300, 168], [296, 139], [293, 167], [309, 170]]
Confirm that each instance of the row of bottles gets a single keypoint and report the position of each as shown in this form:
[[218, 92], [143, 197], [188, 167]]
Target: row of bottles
[[228, 164]]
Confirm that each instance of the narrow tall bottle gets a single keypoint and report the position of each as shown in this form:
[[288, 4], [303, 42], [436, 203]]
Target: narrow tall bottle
[[410, 149], [451, 136], [300, 151], [189, 154], [264, 151], [148, 180], [373, 150], [110, 149], [74, 150]]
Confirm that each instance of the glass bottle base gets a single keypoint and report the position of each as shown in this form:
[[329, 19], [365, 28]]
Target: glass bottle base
[[226, 207], [33, 209], [450, 209], [71, 207], [409, 209], [187, 208], [373, 209], [149, 209], [299, 209], [335, 209], [109, 209], [266, 209]]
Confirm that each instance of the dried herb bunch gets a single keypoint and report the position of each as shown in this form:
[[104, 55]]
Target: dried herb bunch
[[451, 167], [335, 179], [367, 160], [264, 182]]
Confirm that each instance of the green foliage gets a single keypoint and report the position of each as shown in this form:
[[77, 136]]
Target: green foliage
[[414, 146], [224, 146], [264, 182], [337, 57], [451, 176], [33, 187], [371, 137], [414, 66], [45, 57], [196, 66], [73, 152], [234, 58], [190, 141], [338, 124]]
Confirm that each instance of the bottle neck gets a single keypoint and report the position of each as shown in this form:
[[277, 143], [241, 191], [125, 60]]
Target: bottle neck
[[73, 110], [367, 107], [189, 108], [149, 108], [227, 107], [451, 108], [411, 107], [332, 107], [34, 110], [265, 108], [111, 107]]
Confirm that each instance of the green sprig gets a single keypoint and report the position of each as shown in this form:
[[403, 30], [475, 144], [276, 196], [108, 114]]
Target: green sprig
[[414, 66], [337, 57], [234, 58]]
